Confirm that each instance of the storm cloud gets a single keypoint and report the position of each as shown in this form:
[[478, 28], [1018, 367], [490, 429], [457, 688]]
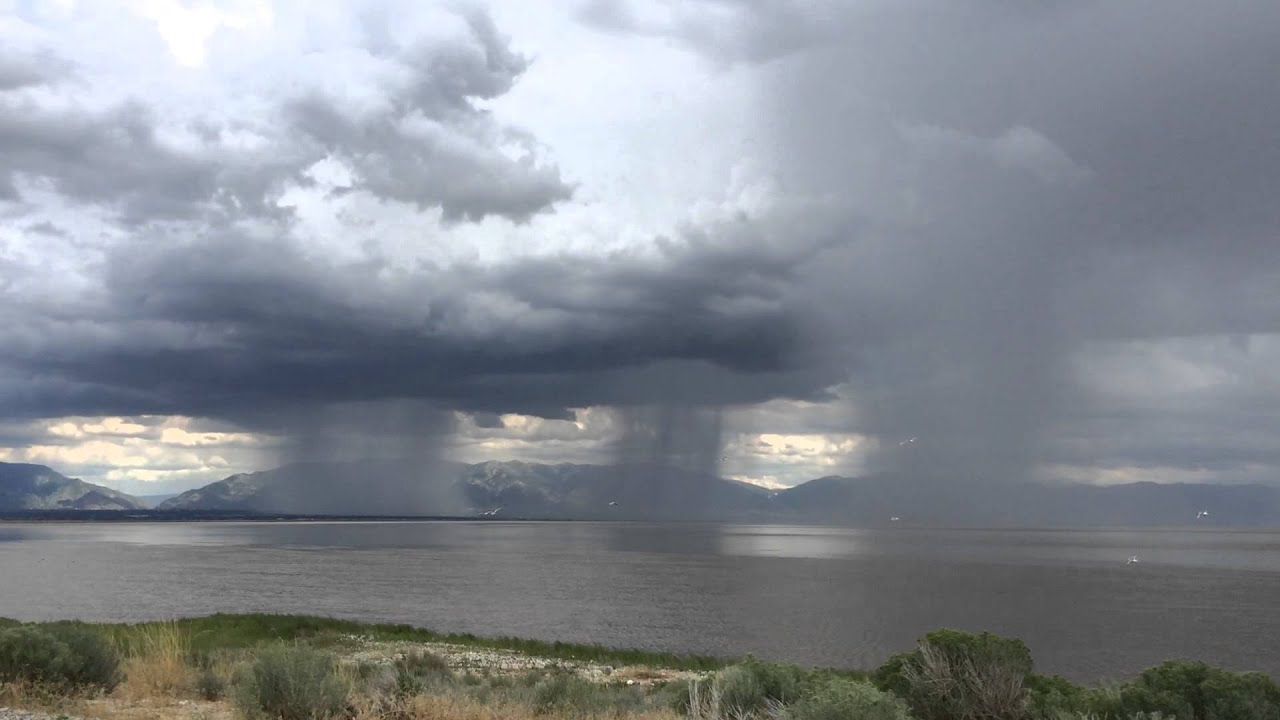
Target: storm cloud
[[965, 222]]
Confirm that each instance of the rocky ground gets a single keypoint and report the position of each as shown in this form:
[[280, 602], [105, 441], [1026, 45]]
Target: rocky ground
[[505, 662]]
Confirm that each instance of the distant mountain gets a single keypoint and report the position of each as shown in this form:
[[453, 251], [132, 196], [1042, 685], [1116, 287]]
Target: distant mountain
[[652, 492], [152, 501], [36, 487], [875, 500], [500, 489]]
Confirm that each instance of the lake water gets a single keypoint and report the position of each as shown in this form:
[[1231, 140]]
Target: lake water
[[810, 595]]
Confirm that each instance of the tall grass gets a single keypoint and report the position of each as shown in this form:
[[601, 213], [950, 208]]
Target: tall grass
[[156, 660]]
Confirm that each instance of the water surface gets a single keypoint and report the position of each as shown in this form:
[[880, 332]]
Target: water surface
[[810, 595]]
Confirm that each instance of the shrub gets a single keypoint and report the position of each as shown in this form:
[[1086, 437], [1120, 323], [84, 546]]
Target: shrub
[[740, 691], [209, 685], [780, 682], [1052, 696], [416, 672], [422, 663], [33, 655], [291, 683], [71, 656], [565, 692], [93, 661], [673, 695], [953, 674], [1193, 691], [841, 699]]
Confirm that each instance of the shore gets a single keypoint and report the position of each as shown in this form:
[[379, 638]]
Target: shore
[[283, 667]]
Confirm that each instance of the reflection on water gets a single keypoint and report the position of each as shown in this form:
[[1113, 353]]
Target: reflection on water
[[809, 595], [791, 542]]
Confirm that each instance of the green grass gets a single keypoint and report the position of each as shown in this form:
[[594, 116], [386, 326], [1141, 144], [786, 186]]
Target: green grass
[[239, 631]]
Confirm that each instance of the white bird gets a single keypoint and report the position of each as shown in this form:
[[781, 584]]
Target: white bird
[[908, 441], [895, 518], [613, 503], [1202, 514], [1133, 559]]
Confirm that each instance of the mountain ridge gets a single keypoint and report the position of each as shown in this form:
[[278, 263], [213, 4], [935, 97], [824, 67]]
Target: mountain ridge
[[25, 486], [653, 492]]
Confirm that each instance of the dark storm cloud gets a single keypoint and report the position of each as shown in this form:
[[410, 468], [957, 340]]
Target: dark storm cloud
[[1008, 187], [1040, 179], [227, 326]]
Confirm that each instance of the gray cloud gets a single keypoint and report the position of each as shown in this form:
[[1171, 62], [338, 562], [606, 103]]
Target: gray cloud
[[233, 326], [728, 31], [430, 145], [25, 70], [424, 141], [961, 230], [1074, 177]]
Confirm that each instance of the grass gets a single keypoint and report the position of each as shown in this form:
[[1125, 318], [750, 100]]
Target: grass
[[156, 659], [284, 667], [227, 631]]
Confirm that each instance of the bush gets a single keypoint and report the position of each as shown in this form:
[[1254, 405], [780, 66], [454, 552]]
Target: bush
[[291, 683], [565, 692], [416, 672], [70, 656], [739, 690], [1193, 691], [840, 699], [953, 674], [1052, 696], [209, 685]]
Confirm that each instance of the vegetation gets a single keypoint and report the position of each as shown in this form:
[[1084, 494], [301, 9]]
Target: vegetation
[[68, 657], [289, 667], [292, 683]]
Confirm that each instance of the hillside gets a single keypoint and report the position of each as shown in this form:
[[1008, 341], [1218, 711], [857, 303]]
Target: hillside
[[875, 500], [36, 487], [500, 489], [651, 492]]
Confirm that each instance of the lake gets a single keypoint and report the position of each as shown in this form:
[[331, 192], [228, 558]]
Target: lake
[[817, 596]]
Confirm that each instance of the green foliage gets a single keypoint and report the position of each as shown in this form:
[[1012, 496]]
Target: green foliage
[[234, 631], [94, 662], [32, 655], [69, 655], [291, 683], [209, 685], [416, 672], [568, 694], [1052, 696], [843, 699], [1193, 691], [953, 674], [779, 682], [673, 695], [740, 691]]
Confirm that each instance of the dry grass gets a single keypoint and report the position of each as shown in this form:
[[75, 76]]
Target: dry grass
[[27, 695], [156, 666], [112, 708], [451, 706]]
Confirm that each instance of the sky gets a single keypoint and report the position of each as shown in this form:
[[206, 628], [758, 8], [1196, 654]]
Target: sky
[[772, 240]]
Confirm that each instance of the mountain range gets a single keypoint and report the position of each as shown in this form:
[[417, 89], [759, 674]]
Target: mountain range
[[36, 487], [653, 492]]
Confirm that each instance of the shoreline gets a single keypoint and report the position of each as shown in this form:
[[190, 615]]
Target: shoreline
[[219, 667]]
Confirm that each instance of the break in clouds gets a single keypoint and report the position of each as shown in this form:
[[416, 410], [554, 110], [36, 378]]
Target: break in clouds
[[1041, 240]]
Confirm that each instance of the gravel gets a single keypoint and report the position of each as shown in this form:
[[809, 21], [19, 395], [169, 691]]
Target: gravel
[[12, 714]]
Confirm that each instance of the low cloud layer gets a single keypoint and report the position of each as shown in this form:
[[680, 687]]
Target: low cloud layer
[[1035, 239]]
